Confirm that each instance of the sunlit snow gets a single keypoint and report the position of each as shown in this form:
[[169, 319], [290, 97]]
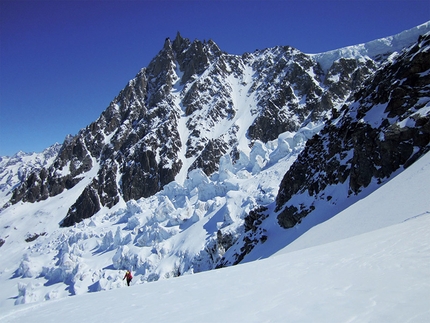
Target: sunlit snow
[[369, 268]]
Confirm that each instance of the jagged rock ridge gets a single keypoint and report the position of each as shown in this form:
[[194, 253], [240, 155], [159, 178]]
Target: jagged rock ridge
[[136, 146], [17, 169], [383, 128], [386, 127], [161, 125]]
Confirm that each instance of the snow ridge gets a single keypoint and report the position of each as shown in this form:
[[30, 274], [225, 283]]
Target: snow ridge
[[375, 48]]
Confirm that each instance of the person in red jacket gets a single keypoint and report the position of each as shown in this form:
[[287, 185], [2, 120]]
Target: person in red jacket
[[128, 276]]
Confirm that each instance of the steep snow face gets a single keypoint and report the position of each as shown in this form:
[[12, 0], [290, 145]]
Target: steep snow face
[[376, 49], [179, 170]]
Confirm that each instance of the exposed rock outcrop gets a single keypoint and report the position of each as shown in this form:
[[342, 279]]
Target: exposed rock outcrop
[[382, 128], [184, 106], [386, 127]]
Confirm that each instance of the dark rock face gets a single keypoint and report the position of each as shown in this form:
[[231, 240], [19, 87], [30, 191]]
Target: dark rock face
[[347, 74], [384, 126], [254, 234], [292, 70], [169, 111], [86, 205], [41, 184], [383, 129], [208, 159]]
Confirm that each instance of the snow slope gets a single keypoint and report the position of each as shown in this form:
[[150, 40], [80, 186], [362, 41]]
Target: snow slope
[[369, 268], [373, 48]]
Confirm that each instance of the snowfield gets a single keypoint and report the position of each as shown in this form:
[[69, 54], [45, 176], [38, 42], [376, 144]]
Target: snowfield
[[350, 268]]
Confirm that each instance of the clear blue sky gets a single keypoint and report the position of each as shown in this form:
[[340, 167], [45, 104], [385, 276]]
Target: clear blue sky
[[62, 62]]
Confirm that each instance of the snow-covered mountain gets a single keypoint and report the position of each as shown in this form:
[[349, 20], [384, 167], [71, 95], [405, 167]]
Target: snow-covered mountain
[[16, 169], [207, 159], [382, 129]]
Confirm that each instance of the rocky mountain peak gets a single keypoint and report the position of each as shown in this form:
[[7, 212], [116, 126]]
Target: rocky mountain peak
[[189, 107]]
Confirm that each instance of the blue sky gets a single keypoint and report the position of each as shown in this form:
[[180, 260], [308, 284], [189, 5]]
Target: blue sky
[[63, 62]]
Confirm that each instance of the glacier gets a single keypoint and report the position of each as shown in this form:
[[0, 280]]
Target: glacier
[[192, 222]]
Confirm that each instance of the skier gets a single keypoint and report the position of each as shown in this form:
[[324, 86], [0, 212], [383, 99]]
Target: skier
[[129, 277]]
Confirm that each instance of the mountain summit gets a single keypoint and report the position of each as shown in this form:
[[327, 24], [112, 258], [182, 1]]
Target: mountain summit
[[192, 105]]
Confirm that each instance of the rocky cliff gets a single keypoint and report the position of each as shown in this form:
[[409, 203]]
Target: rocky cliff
[[190, 106], [380, 130], [385, 127], [185, 111]]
